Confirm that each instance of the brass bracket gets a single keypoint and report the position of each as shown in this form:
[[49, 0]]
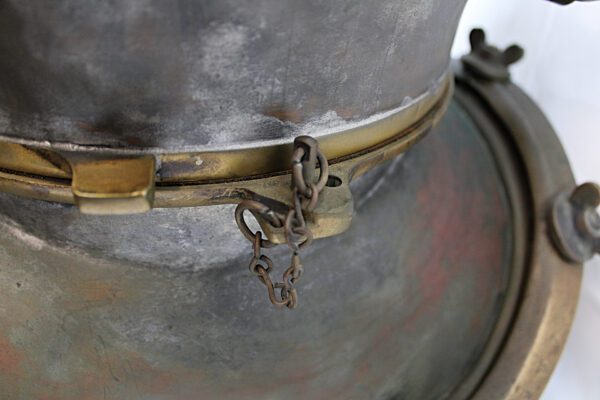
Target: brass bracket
[[575, 223], [331, 217], [113, 186]]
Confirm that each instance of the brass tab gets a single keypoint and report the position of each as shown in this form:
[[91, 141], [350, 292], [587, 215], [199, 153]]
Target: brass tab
[[114, 186], [16, 157], [332, 216]]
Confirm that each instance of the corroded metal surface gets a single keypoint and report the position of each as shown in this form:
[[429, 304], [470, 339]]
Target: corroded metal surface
[[196, 75], [404, 309]]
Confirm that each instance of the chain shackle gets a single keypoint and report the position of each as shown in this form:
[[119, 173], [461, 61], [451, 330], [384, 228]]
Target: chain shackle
[[304, 166], [305, 196], [258, 210]]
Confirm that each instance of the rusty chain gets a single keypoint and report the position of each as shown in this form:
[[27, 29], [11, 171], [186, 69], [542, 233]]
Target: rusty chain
[[305, 196]]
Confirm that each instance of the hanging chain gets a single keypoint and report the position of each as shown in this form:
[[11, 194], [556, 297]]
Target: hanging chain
[[305, 196]]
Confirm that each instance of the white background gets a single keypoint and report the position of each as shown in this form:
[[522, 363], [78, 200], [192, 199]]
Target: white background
[[561, 71]]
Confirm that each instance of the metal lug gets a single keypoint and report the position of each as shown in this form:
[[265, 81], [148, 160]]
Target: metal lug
[[332, 216], [575, 223], [113, 186], [487, 61]]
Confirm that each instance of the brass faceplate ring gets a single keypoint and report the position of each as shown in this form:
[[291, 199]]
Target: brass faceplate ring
[[197, 179], [104, 183]]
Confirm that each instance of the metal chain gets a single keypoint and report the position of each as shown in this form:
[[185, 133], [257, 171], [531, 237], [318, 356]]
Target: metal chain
[[305, 196]]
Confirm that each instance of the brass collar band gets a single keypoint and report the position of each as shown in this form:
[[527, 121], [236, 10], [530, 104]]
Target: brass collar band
[[136, 182]]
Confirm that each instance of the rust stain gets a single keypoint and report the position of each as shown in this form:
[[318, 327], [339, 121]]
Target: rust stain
[[113, 374], [97, 291], [283, 114], [465, 239], [347, 113], [154, 381], [459, 237], [91, 289], [46, 397], [10, 359]]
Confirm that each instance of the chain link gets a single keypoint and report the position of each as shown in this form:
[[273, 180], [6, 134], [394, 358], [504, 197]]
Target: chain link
[[305, 196]]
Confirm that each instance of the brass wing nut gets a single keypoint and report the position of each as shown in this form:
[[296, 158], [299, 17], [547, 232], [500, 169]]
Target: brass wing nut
[[487, 61], [575, 223]]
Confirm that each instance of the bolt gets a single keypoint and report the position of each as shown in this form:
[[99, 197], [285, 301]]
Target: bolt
[[576, 223]]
